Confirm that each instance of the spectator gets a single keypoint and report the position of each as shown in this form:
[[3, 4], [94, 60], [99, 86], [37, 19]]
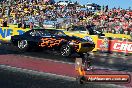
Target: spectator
[[30, 11], [4, 23]]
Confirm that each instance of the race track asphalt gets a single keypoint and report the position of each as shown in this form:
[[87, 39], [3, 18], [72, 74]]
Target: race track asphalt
[[11, 78], [15, 78]]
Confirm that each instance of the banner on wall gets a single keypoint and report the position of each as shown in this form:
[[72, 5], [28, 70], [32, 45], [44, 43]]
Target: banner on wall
[[6, 32], [114, 45]]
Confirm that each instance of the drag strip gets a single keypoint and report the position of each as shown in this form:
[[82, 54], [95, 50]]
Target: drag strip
[[52, 67]]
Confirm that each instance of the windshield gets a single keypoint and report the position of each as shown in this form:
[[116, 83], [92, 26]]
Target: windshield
[[81, 39], [79, 28], [57, 32]]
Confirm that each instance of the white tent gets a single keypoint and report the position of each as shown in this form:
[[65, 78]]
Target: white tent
[[63, 3]]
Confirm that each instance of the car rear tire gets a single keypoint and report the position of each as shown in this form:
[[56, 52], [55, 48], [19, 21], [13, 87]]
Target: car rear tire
[[65, 50], [23, 45]]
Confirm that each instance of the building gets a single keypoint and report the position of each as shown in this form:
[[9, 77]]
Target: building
[[93, 6]]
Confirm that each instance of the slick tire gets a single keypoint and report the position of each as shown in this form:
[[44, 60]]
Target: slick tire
[[23, 45], [65, 50]]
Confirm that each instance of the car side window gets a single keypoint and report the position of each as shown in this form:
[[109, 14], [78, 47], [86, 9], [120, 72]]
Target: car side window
[[39, 33], [79, 28]]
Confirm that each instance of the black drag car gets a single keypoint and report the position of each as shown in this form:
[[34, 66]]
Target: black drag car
[[52, 39]]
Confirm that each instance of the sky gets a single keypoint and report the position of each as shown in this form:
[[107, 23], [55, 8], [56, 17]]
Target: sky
[[125, 4]]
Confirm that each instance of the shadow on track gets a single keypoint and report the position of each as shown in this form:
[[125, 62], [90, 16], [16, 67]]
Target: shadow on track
[[6, 49]]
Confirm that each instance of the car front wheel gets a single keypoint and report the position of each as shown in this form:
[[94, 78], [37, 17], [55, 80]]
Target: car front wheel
[[23, 45], [65, 50]]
